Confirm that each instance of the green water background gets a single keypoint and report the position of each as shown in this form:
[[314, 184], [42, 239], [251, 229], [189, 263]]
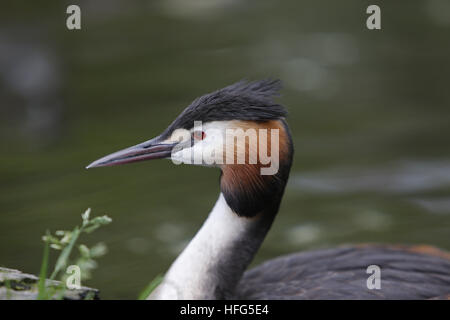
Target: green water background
[[369, 114]]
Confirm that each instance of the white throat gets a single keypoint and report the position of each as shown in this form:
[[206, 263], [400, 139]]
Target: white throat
[[212, 264]]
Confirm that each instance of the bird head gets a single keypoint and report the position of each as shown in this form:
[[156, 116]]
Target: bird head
[[239, 129]]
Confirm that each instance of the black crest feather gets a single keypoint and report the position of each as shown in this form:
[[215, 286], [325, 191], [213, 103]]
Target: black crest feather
[[240, 101]]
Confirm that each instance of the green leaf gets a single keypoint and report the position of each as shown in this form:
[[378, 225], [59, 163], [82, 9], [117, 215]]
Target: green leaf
[[101, 220], [56, 246], [98, 250], [91, 228], [85, 252], [150, 287], [50, 239], [66, 239], [64, 256], [85, 216]]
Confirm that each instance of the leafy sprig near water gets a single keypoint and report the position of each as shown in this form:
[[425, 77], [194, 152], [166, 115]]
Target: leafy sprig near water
[[65, 241]]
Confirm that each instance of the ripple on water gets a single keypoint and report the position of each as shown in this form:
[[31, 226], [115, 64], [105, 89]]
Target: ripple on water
[[395, 178]]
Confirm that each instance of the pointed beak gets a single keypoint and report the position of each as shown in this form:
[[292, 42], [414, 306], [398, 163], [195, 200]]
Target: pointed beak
[[149, 150]]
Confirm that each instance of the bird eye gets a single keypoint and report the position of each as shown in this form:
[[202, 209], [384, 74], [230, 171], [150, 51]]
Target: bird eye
[[199, 135]]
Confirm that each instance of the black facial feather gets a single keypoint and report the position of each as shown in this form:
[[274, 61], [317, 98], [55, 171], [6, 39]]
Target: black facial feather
[[240, 101]]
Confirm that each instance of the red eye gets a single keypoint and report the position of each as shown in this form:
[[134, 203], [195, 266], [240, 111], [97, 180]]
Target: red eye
[[199, 135]]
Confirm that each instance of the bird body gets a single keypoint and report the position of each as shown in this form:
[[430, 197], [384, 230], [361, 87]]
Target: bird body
[[406, 272], [255, 164]]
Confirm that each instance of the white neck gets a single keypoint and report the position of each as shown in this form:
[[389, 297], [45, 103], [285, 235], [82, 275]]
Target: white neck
[[212, 264]]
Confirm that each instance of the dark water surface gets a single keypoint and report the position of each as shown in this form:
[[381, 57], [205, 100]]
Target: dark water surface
[[369, 113]]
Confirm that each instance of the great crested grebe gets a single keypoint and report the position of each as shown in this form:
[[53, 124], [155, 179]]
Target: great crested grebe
[[213, 264]]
